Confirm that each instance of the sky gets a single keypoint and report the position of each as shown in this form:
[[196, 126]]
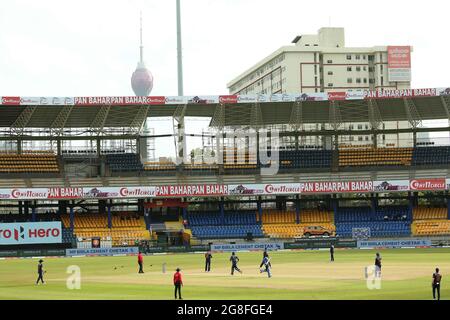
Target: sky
[[91, 47], [83, 48]]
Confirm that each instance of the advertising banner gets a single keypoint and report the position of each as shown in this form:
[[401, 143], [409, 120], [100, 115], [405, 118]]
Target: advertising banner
[[264, 189], [191, 190], [401, 93], [320, 244], [269, 246], [336, 187], [399, 63], [447, 182], [10, 101], [101, 251], [117, 101], [30, 233], [427, 184], [395, 243], [390, 185]]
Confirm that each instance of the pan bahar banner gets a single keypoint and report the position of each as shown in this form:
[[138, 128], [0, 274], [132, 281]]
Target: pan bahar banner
[[200, 190], [336, 187]]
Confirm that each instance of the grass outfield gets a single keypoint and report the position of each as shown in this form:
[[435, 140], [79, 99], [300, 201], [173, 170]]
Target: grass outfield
[[296, 275]]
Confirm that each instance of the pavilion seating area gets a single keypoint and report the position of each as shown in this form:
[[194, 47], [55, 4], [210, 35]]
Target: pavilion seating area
[[29, 163], [360, 157], [430, 221], [294, 159], [439, 155], [234, 224], [283, 224], [386, 221], [126, 228], [124, 162]]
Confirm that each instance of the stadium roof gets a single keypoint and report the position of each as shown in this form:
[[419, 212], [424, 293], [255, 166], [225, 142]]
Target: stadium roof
[[228, 110]]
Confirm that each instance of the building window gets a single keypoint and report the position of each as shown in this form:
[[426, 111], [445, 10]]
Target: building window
[[330, 84], [364, 68], [349, 80], [358, 80], [349, 57], [382, 81], [372, 81], [365, 80], [358, 57], [329, 61], [360, 138], [358, 68], [364, 57], [349, 69], [330, 73]]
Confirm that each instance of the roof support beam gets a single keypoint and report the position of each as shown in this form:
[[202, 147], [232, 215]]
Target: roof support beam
[[256, 116], [99, 121], [374, 114], [335, 115], [57, 126], [22, 120], [138, 123], [446, 103], [411, 113], [296, 120]]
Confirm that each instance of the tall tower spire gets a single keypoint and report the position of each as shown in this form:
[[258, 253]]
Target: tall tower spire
[[142, 79]]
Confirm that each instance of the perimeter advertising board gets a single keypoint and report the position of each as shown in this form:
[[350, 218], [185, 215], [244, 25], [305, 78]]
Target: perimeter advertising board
[[260, 246], [30, 233], [406, 243]]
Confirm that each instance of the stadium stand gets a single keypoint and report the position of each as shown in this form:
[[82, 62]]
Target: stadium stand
[[124, 162], [293, 159], [282, 224], [438, 155], [126, 228], [386, 221], [29, 163], [430, 222], [360, 157], [423, 213], [210, 225], [431, 227]]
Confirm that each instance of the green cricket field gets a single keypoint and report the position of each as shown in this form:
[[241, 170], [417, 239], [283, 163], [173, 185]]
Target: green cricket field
[[298, 275]]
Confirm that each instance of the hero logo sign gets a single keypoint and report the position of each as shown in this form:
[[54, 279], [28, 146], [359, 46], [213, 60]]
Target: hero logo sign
[[26, 233], [427, 184]]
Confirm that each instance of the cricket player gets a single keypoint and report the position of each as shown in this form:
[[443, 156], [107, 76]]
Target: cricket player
[[378, 265], [178, 283], [267, 266], [436, 284], [208, 257], [40, 272], [140, 262], [332, 253], [234, 260]]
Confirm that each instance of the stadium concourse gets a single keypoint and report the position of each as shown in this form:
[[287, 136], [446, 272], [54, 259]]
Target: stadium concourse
[[328, 185]]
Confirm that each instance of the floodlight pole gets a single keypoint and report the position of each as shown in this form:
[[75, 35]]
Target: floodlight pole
[[179, 51]]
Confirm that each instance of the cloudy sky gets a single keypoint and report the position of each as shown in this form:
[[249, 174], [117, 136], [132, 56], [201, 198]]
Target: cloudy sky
[[90, 47]]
